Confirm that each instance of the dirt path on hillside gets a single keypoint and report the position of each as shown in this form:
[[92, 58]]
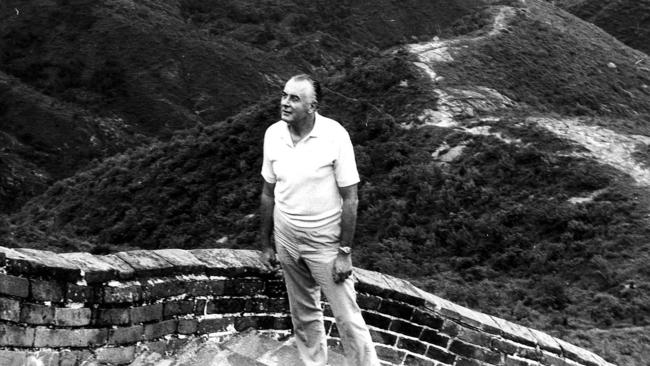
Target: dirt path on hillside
[[456, 108]]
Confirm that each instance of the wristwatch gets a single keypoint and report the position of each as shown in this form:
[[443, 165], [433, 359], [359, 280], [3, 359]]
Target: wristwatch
[[345, 250]]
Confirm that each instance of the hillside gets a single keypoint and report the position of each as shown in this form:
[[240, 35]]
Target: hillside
[[482, 180], [627, 20]]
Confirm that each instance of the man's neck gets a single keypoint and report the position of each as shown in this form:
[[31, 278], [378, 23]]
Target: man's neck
[[302, 128]]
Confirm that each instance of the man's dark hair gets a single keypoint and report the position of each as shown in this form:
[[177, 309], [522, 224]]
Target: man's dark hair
[[318, 92]]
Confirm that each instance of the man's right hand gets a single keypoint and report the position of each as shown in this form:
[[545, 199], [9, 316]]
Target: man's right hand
[[270, 259]]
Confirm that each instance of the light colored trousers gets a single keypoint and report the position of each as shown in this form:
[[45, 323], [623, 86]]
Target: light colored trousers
[[307, 257]]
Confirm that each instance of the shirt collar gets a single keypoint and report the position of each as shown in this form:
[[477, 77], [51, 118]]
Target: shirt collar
[[315, 131]]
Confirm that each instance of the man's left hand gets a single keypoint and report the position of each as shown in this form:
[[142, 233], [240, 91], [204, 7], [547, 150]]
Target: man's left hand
[[342, 268]]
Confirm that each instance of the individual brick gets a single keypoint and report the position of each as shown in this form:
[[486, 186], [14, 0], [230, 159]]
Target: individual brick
[[112, 316], [126, 292], [441, 355], [36, 314], [396, 309], [427, 319], [160, 329], [546, 342], [95, 269], [177, 307], [46, 290], [147, 313], [14, 286], [411, 345], [404, 291], [205, 286], [516, 332], [49, 264], [244, 287], [433, 337], [9, 309], [406, 328], [256, 305], [226, 305], [115, 355], [375, 319], [413, 360], [213, 325], [474, 352], [13, 358], [72, 317], [368, 302], [516, 361], [390, 354], [247, 322], [73, 358], [372, 283], [124, 271], [187, 326], [231, 262], [381, 337], [334, 331], [277, 305], [183, 262], [79, 293], [45, 337], [16, 336], [475, 337], [504, 346], [275, 288], [146, 263], [451, 328], [462, 361], [159, 288], [126, 335]]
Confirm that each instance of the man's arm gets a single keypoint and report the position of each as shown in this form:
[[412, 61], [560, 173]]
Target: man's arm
[[267, 202], [343, 263]]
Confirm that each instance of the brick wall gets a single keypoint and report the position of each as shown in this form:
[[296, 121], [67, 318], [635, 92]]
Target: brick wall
[[66, 308]]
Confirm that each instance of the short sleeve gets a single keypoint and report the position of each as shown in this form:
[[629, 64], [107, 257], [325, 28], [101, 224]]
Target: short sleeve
[[345, 167], [267, 166]]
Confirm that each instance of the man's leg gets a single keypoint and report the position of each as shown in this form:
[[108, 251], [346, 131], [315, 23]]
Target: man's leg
[[357, 343], [304, 300]]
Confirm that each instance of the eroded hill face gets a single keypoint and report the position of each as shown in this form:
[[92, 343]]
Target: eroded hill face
[[479, 176]]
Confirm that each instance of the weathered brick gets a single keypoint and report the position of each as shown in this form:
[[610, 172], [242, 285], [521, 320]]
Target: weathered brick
[[213, 325], [277, 305], [160, 329], [244, 287], [441, 355], [45, 337], [504, 346], [256, 305], [49, 264], [434, 337], [462, 361], [146, 263], [327, 310], [475, 337], [126, 335], [73, 358], [226, 305], [231, 263], [375, 319], [123, 293], [247, 322], [546, 342], [381, 337], [147, 313], [396, 309], [368, 302], [36, 314], [427, 319], [411, 345], [413, 360], [516, 361], [183, 261], [551, 359], [451, 328], [13, 358], [177, 307], [17, 336], [46, 290], [406, 328], [390, 354], [79, 293], [116, 355], [14, 286], [160, 288], [187, 326], [275, 288], [516, 332], [72, 317], [404, 291], [474, 352], [531, 353], [205, 286], [112, 316], [9, 309], [334, 331], [96, 270], [124, 270]]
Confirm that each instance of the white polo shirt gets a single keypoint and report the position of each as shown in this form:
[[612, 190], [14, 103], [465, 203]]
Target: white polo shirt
[[307, 175]]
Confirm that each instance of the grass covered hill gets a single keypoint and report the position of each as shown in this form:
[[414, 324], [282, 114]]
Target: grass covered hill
[[627, 20], [498, 228], [81, 80]]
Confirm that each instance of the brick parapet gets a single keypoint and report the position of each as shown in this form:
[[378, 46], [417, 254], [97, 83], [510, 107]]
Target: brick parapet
[[75, 306]]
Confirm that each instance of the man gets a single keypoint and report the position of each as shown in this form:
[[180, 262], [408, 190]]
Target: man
[[309, 201]]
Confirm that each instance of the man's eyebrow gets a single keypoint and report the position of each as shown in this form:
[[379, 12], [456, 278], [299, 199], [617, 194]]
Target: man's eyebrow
[[290, 95]]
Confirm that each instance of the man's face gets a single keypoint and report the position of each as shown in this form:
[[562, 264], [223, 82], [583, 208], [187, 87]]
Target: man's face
[[296, 103]]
